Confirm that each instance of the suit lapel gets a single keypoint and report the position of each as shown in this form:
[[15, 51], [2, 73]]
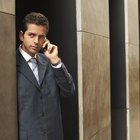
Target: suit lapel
[[23, 67]]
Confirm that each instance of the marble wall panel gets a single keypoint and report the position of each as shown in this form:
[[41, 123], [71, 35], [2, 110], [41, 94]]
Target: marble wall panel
[[80, 86], [96, 83], [8, 108], [134, 124], [7, 6], [132, 31], [95, 17], [132, 69], [93, 69], [103, 134], [133, 75], [133, 91]]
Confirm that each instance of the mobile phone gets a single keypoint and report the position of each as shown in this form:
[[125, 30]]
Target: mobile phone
[[42, 50]]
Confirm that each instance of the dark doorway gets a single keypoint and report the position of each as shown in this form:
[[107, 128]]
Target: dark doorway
[[62, 18], [118, 70]]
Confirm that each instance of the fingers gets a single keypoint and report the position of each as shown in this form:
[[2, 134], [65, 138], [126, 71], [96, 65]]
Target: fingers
[[48, 47], [51, 48], [46, 43]]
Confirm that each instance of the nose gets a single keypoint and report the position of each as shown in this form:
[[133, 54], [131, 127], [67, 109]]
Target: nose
[[36, 39]]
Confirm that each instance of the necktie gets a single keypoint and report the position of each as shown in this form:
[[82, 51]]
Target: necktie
[[33, 65]]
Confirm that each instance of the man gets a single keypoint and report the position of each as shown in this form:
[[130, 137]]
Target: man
[[39, 93]]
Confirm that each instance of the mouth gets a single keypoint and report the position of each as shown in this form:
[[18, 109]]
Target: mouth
[[34, 47]]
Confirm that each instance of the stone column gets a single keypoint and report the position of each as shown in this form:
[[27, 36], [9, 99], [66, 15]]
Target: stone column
[[132, 69], [8, 99], [93, 69], [124, 44]]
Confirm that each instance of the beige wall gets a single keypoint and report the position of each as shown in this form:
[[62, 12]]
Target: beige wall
[[8, 109], [93, 69], [132, 69]]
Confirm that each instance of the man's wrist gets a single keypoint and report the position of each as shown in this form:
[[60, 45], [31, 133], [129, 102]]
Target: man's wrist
[[56, 62]]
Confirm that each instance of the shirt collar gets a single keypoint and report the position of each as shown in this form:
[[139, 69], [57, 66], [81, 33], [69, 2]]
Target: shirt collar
[[26, 56]]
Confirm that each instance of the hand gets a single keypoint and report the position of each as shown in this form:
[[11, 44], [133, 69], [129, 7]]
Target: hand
[[51, 52]]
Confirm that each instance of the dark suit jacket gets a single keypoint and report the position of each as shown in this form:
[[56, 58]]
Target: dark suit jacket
[[39, 106]]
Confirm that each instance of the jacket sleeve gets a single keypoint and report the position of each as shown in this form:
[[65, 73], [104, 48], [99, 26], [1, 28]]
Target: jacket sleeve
[[64, 81]]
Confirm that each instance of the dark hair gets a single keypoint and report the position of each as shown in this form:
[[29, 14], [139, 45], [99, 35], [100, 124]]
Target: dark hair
[[35, 18]]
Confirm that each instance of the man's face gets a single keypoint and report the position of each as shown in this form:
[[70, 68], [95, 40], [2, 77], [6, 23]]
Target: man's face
[[33, 38]]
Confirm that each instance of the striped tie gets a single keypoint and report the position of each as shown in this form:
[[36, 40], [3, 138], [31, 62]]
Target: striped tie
[[34, 68]]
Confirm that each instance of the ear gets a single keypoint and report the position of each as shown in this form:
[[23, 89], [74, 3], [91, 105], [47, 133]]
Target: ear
[[21, 35]]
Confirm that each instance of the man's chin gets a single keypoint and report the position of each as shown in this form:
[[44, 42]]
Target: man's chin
[[33, 52]]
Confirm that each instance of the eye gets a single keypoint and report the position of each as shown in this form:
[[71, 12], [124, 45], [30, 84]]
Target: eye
[[42, 37], [31, 35]]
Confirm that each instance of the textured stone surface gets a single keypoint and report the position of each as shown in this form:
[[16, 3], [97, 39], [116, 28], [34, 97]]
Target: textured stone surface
[[7, 6], [93, 69], [8, 99]]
